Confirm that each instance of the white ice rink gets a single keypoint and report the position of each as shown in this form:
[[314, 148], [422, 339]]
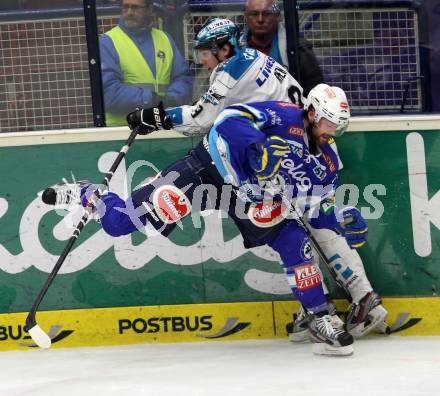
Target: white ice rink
[[388, 366]]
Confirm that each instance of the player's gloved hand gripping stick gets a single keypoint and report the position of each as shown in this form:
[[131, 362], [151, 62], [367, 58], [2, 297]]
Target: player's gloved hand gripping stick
[[147, 120], [35, 331]]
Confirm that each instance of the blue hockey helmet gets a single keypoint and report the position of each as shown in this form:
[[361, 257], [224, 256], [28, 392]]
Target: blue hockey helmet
[[214, 34]]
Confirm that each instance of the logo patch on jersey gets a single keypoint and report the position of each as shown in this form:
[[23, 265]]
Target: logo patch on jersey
[[170, 204], [212, 97], [280, 73], [306, 250], [329, 162], [307, 276], [275, 119], [288, 104], [344, 105], [296, 131], [296, 148], [266, 215], [250, 54], [320, 171]]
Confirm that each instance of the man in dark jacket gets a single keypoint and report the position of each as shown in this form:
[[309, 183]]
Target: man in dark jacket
[[267, 34]]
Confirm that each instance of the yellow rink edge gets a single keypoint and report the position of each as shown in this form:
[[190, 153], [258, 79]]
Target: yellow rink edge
[[195, 322]]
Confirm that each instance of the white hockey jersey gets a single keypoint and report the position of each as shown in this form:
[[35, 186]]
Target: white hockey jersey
[[248, 76]]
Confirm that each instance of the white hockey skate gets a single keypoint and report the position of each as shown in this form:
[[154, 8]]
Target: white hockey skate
[[366, 316], [67, 196], [328, 339], [300, 330], [64, 195]]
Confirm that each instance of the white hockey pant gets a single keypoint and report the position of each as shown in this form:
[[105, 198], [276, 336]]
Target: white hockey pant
[[345, 261]]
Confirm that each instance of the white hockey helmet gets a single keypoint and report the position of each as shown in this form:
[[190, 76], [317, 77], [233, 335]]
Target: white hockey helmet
[[330, 103]]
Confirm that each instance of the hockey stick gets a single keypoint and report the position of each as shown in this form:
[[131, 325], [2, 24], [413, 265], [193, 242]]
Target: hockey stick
[[384, 328], [35, 331]]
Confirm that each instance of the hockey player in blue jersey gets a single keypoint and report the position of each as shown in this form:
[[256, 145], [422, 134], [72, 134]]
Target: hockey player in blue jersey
[[246, 75], [269, 156]]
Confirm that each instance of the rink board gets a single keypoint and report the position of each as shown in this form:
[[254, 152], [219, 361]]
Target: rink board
[[191, 281], [206, 263], [195, 323]]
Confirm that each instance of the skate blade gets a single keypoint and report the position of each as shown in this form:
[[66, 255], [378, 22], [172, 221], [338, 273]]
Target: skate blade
[[377, 316], [322, 348], [299, 337]]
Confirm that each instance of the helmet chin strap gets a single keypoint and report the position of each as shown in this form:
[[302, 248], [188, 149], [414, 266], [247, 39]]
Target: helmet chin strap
[[313, 147], [214, 51]]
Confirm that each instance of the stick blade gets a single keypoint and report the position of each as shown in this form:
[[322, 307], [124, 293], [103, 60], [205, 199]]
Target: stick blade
[[383, 328], [40, 337]]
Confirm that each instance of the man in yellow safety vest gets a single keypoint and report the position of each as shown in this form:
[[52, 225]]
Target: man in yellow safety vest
[[141, 65]]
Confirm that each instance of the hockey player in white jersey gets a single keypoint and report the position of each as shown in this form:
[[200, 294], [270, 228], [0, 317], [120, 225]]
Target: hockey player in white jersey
[[237, 76]]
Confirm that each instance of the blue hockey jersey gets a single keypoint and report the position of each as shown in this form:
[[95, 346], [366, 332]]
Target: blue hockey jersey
[[302, 175]]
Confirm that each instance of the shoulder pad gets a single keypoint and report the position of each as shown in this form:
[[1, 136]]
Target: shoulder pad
[[237, 65]]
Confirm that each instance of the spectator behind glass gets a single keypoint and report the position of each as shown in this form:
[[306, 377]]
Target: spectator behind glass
[[266, 33], [141, 65]]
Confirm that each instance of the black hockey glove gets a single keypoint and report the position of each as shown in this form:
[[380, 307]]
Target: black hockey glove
[[149, 120]]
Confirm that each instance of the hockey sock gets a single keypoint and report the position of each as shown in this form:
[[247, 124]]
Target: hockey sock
[[306, 284]]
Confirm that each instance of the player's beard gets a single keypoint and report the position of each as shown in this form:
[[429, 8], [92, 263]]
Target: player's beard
[[315, 141]]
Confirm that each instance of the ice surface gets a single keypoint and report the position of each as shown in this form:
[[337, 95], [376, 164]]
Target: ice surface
[[388, 366]]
